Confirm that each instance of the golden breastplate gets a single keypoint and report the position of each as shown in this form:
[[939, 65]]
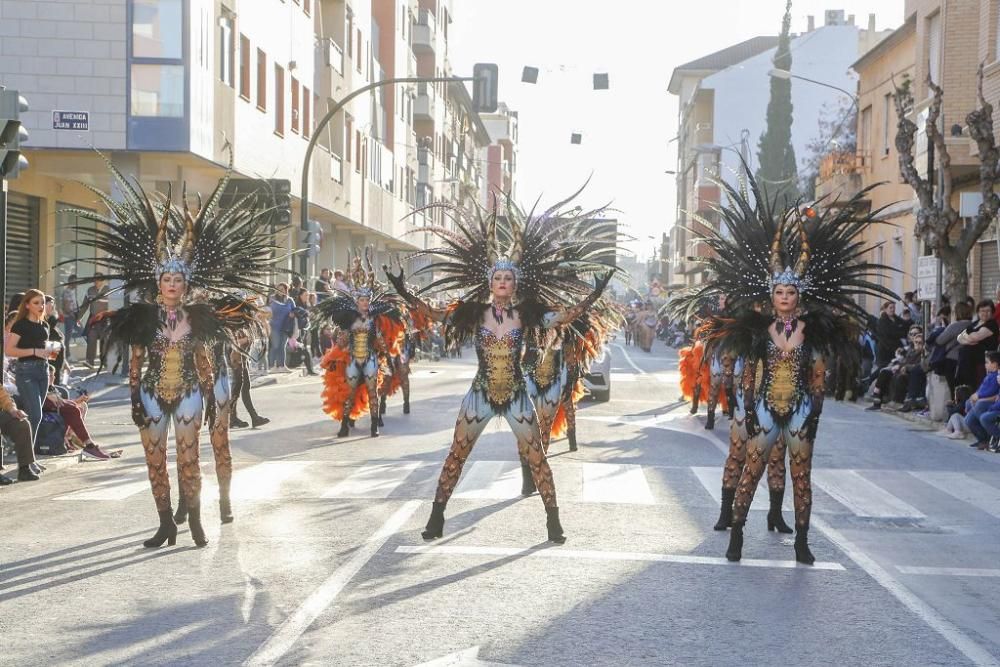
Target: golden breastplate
[[784, 390], [545, 372], [171, 374], [499, 356], [359, 344]]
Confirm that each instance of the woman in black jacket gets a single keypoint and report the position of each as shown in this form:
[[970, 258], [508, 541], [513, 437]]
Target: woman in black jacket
[[890, 331]]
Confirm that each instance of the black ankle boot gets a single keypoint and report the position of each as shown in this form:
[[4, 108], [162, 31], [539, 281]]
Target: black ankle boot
[[380, 422], [381, 406], [710, 421], [735, 551], [774, 519], [167, 532], [572, 440], [24, 474], [802, 553], [236, 422], [181, 515], [194, 524], [375, 425], [527, 481], [726, 511], [553, 526], [344, 430], [406, 407], [694, 402], [225, 507], [435, 524]]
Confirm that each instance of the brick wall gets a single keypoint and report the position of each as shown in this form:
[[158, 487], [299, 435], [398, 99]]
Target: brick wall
[[67, 55]]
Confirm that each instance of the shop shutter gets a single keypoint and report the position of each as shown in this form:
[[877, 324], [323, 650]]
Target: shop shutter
[[989, 269], [22, 244]]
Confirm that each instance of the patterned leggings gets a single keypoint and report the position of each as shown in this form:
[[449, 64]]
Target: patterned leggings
[[475, 413]]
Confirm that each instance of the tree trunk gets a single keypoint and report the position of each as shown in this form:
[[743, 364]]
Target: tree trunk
[[956, 276]]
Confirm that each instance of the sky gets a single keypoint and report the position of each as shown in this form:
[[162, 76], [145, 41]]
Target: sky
[[627, 130]]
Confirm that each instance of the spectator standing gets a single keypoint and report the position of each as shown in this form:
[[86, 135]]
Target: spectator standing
[[909, 304], [326, 339], [97, 301], [52, 319], [282, 324], [978, 338], [890, 330], [300, 337], [323, 287], [339, 283], [70, 308]]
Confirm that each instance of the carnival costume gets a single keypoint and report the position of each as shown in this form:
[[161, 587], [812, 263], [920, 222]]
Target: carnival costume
[[372, 320], [548, 267], [819, 260], [213, 251]]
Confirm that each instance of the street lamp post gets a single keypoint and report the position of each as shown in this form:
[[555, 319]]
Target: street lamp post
[[785, 74]]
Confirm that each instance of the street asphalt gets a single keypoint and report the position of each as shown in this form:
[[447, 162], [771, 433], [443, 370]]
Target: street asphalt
[[325, 565]]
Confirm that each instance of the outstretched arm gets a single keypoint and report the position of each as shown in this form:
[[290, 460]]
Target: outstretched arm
[[561, 317], [412, 300]]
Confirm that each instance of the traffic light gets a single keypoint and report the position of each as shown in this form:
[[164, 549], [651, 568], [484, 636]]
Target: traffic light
[[12, 133], [281, 190], [484, 88], [313, 239]]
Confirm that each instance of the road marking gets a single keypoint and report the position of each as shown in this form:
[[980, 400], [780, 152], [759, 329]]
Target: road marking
[[962, 643], [465, 658], [579, 554], [494, 480], [373, 481], [113, 490], [949, 571], [629, 360], [862, 497], [279, 643], [262, 481], [615, 483], [711, 479], [624, 377], [959, 485]]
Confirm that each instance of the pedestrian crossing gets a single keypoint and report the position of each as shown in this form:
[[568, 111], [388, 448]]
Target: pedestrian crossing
[[864, 494]]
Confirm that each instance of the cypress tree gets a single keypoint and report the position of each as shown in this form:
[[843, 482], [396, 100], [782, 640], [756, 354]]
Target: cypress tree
[[777, 172]]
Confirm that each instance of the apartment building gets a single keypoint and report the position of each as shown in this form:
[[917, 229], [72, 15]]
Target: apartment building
[[722, 114], [500, 156], [168, 87]]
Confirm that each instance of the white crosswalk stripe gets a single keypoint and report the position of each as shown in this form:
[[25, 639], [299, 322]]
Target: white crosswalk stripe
[[837, 491]]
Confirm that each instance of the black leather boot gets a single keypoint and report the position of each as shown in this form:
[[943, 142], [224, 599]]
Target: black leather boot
[[553, 526], [726, 511], [527, 481], [381, 406], [802, 553], [181, 515], [435, 524], [167, 532], [225, 507], [380, 422], [694, 401], [572, 440], [194, 523], [774, 519], [344, 429], [406, 407], [375, 425], [735, 551], [710, 421]]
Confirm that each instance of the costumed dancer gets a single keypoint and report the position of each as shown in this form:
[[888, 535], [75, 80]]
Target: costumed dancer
[[370, 319], [399, 355], [808, 268], [162, 250], [513, 280]]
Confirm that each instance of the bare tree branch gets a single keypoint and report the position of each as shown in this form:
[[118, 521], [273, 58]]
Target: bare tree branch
[[980, 124]]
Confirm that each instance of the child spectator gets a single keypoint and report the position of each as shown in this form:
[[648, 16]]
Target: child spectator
[[955, 427], [984, 401]]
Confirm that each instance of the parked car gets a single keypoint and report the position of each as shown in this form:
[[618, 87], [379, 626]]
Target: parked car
[[597, 379]]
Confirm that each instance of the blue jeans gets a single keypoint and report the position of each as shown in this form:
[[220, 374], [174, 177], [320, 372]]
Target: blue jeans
[[974, 412], [31, 376], [990, 422], [279, 343]]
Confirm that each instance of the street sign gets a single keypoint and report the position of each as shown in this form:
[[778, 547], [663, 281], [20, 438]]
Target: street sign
[[927, 277], [71, 120]]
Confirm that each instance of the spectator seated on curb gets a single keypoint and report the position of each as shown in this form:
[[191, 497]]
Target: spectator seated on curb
[[72, 413], [955, 426], [14, 425], [886, 388], [982, 406], [914, 373]]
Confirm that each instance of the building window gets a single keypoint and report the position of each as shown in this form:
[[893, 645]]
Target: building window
[[357, 151], [359, 58], [295, 105], [307, 7], [349, 34], [934, 47], [306, 115], [279, 100], [865, 133], [227, 48], [886, 123], [157, 29], [261, 80], [158, 91], [348, 134], [244, 67]]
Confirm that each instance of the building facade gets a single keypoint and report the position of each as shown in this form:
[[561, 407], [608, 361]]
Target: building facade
[[171, 87]]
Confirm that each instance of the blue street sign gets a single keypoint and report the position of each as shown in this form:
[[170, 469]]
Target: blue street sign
[[71, 120]]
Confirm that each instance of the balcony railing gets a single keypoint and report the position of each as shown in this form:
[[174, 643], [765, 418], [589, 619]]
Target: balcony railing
[[424, 32], [335, 56], [336, 168], [423, 106]]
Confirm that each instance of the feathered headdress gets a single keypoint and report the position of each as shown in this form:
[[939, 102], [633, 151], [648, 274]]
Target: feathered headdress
[[343, 309], [142, 237], [552, 254], [758, 247]]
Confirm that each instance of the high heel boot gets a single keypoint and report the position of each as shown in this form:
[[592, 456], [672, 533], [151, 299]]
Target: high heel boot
[[710, 421], [225, 507], [572, 440], [406, 406], [527, 481], [375, 425], [381, 406], [181, 515], [735, 551], [167, 532], [774, 519], [344, 429], [726, 511], [435, 524], [694, 400], [802, 552], [194, 523], [553, 526]]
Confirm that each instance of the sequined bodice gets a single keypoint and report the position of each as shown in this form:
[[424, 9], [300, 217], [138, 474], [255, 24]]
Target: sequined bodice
[[499, 357], [361, 337], [171, 371], [783, 378]]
